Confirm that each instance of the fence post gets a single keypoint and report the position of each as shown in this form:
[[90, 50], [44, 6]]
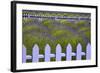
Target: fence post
[[47, 52], [58, 52], [68, 52], [79, 52], [23, 54], [35, 53], [88, 51]]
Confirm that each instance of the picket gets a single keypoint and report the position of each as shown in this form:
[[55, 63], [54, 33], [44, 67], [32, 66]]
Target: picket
[[68, 52], [79, 52], [58, 54], [47, 52], [88, 51], [23, 54]]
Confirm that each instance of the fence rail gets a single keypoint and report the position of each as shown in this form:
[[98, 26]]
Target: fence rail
[[58, 55]]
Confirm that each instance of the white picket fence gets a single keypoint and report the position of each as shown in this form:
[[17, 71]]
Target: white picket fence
[[58, 55]]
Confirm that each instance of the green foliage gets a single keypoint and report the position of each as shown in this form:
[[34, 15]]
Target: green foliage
[[64, 21], [88, 34], [57, 33], [81, 23], [27, 28], [68, 24], [30, 28], [84, 29], [47, 23], [26, 21]]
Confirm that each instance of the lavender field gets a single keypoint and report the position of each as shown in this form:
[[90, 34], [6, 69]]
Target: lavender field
[[42, 27]]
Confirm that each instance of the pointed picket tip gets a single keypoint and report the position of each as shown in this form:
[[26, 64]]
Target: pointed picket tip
[[88, 45], [79, 45], [24, 46], [58, 46], [35, 46], [69, 46], [47, 46]]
